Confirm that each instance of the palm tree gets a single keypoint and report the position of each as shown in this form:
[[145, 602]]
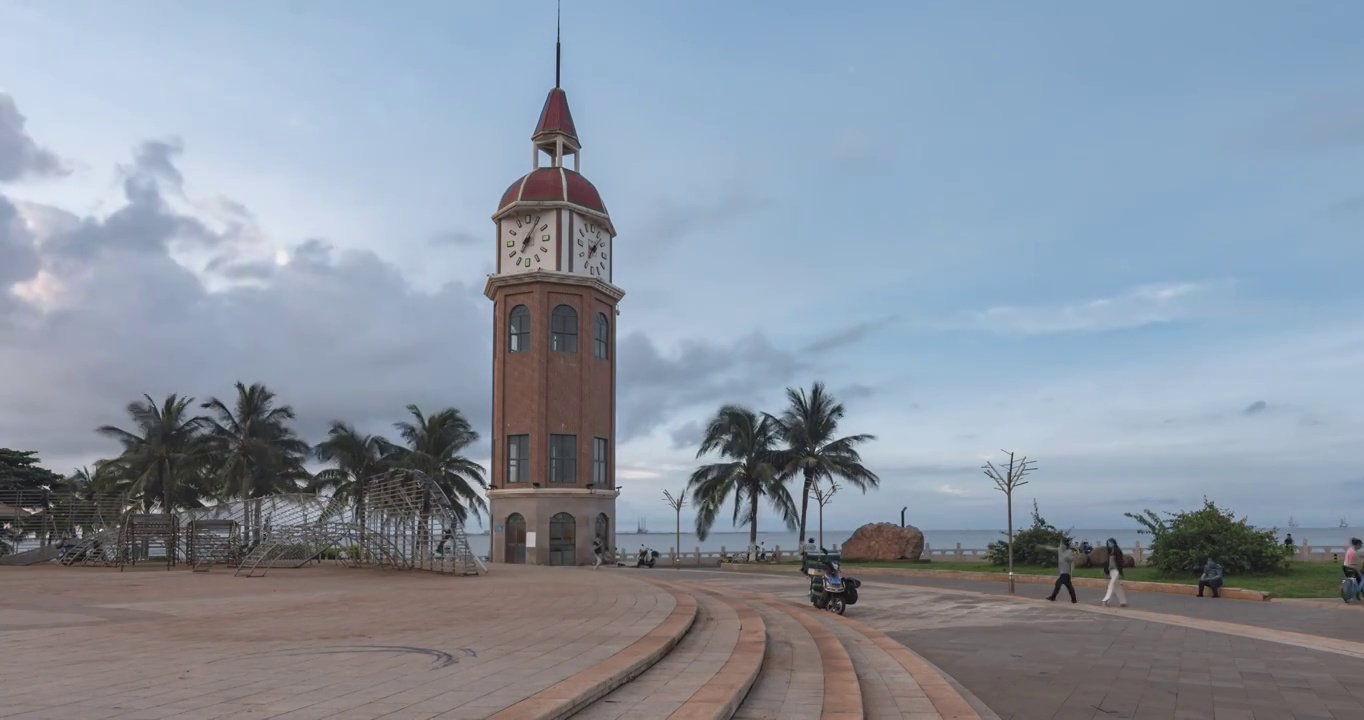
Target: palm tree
[[747, 446], [433, 447], [253, 450], [355, 457], [809, 426], [159, 455]]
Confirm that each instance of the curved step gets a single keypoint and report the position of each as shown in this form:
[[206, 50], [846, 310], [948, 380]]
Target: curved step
[[723, 694], [889, 691], [705, 677], [791, 685], [663, 688], [945, 700], [577, 691], [842, 693]]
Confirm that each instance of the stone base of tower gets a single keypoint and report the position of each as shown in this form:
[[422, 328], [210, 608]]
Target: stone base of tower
[[551, 526]]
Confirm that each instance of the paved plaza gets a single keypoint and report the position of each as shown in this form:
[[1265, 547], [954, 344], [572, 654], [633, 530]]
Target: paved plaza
[[324, 641], [1028, 659], [522, 642]]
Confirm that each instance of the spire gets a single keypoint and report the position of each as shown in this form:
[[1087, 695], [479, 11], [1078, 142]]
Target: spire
[[554, 133]]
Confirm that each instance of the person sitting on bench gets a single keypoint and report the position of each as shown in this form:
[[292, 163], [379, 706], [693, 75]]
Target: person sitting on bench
[[1211, 578]]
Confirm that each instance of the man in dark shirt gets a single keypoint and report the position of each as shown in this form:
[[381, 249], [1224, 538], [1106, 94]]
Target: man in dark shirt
[[1211, 578]]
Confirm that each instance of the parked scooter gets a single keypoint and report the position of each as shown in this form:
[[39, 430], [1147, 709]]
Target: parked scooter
[[829, 589], [647, 558]]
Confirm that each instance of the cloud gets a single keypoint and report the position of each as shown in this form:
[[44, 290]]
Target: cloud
[[171, 294], [687, 435], [671, 221], [848, 335], [1348, 207], [457, 238], [863, 154], [19, 261], [696, 373], [854, 391], [20, 156], [1255, 408], [1318, 124], [1144, 305]]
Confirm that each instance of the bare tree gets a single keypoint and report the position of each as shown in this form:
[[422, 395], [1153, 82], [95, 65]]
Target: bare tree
[[677, 503], [824, 497], [1007, 480]]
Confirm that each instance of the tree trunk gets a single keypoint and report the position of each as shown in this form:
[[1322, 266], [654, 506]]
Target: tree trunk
[[360, 515], [753, 528], [805, 503], [165, 473], [821, 524], [1010, 499]]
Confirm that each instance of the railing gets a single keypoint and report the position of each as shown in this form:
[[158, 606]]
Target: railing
[[711, 558], [1306, 552]]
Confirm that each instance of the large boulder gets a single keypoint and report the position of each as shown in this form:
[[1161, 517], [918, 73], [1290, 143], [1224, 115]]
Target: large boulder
[[884, 541]]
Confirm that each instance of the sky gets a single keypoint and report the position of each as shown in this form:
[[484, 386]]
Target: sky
[[1124, 241]]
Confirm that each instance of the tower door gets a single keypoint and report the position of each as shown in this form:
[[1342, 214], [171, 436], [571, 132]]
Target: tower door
[[515, 551], [562, 540]]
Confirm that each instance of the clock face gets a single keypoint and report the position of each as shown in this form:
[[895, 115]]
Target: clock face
[[591, 248], [527, 241]]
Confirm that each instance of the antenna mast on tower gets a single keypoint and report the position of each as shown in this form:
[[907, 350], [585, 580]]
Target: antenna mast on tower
[[558, 48]]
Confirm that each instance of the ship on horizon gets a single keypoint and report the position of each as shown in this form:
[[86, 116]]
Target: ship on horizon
[[641, 527]]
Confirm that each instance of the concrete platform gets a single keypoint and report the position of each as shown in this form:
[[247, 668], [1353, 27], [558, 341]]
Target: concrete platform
[[324, 641], [521, 643]]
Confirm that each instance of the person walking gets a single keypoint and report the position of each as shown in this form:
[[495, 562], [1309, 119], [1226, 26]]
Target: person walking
[[1113, 567], [598, 552], [1065, 563], [1211, 577], [1354, 560]]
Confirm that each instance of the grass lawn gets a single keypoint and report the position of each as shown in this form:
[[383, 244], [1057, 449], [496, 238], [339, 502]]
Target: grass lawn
[[1301, 580]]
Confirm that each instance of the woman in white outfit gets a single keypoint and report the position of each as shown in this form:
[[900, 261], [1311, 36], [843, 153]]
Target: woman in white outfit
[[1114, 569]]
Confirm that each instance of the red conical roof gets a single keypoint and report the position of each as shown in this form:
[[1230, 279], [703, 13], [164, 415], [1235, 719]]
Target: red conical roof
[[555, 117]]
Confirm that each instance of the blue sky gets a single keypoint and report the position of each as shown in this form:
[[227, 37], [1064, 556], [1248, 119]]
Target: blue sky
[[1095, 235]]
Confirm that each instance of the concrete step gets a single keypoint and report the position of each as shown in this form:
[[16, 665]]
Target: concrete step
[[704, 677], [568, 696], [791, 684], [664, 688], [889, 691], [842, 693]]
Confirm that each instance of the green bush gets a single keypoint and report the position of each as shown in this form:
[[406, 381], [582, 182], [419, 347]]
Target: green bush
[[1027, 542], [1183, 541]]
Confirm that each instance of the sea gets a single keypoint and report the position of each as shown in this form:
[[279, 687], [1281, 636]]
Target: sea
[[939, 539]]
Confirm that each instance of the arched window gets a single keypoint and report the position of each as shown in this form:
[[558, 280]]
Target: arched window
[[562, 540], [563, 329], [515, 538], [601, 336], [518, 332]]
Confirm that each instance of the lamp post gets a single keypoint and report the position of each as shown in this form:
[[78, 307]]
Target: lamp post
[[677, 503], [1007, 480]]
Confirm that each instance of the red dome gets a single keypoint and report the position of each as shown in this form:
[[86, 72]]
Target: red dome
[[554, 184]]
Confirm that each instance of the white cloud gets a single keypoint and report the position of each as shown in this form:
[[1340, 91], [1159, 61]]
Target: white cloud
[[955, 491], [1143, 305]]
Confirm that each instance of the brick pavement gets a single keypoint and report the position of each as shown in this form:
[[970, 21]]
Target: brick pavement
[[663, 688], [1037, 660], [1325, 618], [323, 641]]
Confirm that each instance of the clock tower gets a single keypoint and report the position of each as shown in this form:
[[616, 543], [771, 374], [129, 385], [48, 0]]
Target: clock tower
[[553, 480]]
